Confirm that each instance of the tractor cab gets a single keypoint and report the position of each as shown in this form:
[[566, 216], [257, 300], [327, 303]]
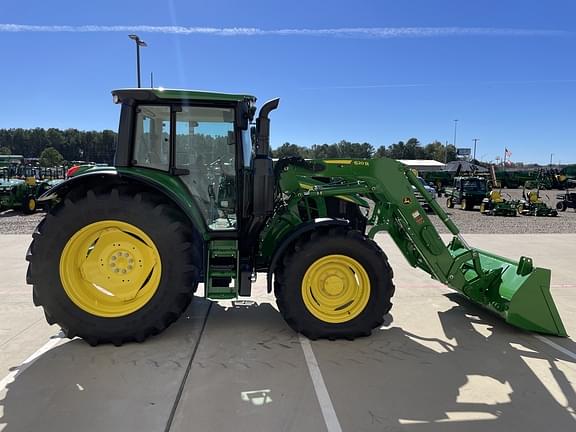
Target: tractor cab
[[201, 138]]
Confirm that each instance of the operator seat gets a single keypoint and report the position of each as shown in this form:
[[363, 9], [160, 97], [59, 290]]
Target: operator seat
[[496, 196]]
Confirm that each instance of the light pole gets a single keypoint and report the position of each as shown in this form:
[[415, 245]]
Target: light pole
[[475, 141], [455, 127], [139, 43], [551, 155]]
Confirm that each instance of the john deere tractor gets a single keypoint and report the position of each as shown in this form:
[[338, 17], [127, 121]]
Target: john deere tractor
[[194, 197], [21, 194]]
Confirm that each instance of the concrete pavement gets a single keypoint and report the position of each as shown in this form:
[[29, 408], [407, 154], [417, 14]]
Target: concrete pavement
[[438, 363]]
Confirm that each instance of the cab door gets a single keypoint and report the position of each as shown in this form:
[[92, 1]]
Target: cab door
[[205, 150]]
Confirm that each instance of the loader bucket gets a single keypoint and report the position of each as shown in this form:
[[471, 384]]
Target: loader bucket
[[521, 294]]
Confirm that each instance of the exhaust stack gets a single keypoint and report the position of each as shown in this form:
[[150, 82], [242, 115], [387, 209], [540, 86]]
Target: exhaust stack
[[263, 173]]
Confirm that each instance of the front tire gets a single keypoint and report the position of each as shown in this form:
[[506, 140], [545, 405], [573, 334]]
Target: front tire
[[113, 265], [29, 205], [334, 284], [561, 206]]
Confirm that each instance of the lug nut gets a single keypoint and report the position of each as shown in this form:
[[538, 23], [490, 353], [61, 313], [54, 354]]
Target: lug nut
[[113, 258]]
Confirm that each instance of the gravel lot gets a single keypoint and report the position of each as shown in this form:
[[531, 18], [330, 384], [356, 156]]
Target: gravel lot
[[14, 222], [471, 222]]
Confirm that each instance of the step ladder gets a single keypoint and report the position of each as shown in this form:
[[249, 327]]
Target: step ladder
[[222, 270]]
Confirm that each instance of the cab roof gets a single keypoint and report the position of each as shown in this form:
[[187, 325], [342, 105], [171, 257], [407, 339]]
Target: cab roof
[[159, 94]]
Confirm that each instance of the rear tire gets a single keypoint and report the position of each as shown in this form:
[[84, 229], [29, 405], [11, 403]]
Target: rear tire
[[561, 206], [296, 299], [169, 233], [449, 203]]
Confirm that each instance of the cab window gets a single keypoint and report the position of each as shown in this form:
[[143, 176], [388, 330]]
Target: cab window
[[152, 139]]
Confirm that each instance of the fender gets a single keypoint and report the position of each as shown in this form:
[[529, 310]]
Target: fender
[[62, 189], [100, 175], [293, 236]]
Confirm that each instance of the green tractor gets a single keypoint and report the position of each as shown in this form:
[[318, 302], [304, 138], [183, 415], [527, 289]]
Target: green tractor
[[467, 191], [194, 197], [21, 194], [496, 205]]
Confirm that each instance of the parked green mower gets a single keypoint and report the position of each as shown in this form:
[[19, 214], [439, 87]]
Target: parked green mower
[[467, 192], [194, 197], [496, 205], [532, 205]]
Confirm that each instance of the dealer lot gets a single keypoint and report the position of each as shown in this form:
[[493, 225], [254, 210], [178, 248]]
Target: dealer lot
[[438, 364]]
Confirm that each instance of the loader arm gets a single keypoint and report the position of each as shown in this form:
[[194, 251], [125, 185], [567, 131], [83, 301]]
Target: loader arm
[[516, 290]]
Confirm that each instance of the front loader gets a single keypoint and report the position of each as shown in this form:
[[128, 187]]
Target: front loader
[[194, 197]]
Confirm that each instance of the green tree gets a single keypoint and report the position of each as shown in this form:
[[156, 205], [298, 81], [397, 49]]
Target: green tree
[[381, 152], [5, 151], [50, 157], [287, 150], [450, 153], [397, 150], [435, 150]]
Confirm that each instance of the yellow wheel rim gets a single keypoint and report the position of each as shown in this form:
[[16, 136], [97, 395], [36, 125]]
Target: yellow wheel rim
[[31, 204], [110, 268], [335, 288]]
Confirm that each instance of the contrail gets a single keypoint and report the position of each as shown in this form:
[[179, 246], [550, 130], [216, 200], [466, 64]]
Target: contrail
[[360, 32], [441, 84]]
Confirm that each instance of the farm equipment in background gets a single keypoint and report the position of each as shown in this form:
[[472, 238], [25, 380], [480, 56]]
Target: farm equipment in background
[[532, 204], [19, 194], [79, 168], [124, 248], [566, 200], [467, 191], [428, 188], [495, 205]]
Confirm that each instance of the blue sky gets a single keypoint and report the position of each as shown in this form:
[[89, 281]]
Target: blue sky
[[505, 69]]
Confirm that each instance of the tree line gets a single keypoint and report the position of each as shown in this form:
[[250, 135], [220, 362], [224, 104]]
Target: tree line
[[411, 149], [70, 144], [99, 146]]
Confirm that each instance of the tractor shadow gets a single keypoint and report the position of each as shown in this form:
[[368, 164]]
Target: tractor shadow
[[479, 375]]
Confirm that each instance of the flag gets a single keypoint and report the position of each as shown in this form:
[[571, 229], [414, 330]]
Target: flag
[[508, 153]]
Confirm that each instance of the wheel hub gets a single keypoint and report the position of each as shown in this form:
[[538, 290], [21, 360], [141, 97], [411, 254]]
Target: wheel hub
[[110, 268], [335, 288]]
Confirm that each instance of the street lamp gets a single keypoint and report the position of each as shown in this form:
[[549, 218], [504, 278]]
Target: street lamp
[[455, 127], [475, 141], [139, 43]]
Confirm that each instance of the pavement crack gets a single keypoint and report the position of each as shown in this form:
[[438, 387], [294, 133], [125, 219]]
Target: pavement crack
[[187, 371]]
